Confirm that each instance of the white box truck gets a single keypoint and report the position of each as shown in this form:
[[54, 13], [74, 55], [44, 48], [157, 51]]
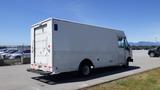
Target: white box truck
[[59, 46]]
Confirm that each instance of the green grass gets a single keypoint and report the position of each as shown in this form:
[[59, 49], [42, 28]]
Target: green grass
[[145, 81]]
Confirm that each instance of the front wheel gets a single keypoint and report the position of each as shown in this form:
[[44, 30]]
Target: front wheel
[[126, 65]]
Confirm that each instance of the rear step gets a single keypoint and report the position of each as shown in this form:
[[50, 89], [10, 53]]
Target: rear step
[[39, 71]]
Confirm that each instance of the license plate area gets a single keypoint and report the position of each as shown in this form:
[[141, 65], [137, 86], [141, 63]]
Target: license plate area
[[39, 66]]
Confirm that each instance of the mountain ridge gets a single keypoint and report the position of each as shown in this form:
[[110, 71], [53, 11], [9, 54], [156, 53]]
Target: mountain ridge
[[144, 43]]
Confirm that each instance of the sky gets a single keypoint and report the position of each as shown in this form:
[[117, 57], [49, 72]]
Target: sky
[[139, 19]]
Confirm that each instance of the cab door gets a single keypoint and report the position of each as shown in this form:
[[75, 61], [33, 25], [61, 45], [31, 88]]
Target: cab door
[[121, 51]]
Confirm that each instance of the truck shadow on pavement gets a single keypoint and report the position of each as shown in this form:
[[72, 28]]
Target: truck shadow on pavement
[[73, 76]]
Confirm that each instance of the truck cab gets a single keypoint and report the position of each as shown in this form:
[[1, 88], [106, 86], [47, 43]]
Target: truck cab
[[125, 51]]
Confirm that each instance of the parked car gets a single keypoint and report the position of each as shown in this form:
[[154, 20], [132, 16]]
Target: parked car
[[155, 52], [2, 50], [20, 54], [0, 57], [5, 54], [1, 53]]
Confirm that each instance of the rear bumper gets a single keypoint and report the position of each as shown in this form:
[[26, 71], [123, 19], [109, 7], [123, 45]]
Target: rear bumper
[[39, 71]]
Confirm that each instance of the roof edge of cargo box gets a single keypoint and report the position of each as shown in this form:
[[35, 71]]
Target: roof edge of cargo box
[[71, 22], [86, 24], [39, 23], [119, 32]]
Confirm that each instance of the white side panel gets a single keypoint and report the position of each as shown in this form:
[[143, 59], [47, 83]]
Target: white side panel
[[74, 42]]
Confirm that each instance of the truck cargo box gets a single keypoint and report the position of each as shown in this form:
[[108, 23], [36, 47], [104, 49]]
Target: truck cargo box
[[62, 46]]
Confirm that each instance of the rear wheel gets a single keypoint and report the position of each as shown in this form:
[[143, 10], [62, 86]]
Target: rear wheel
[[126, 65], [18, 57], [85, 70]]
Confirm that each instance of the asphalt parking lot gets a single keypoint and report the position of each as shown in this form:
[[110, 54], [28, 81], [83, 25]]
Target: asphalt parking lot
[[17, 78]]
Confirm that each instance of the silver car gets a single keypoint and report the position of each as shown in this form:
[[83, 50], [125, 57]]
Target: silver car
[[20, 54], [5, 54]]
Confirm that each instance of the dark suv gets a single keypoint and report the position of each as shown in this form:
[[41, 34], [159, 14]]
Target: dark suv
[[154, 52]]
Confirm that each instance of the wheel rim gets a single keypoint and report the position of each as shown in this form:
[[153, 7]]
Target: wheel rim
[[152, 54], [86, 70]]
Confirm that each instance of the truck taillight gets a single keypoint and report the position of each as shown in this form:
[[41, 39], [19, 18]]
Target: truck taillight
[[49, 67], [49, 46]]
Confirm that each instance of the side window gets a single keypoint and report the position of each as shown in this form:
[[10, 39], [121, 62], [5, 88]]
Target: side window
[[121, 43], [126, 43], [56, 27]]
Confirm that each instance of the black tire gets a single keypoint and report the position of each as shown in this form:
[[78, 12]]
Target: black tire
[[18, 58], [152, 54], [3, 57], [85, 70], [126, 65]]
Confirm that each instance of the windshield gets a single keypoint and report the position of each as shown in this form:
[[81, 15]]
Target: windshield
[[21, 51], [18, 51]]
